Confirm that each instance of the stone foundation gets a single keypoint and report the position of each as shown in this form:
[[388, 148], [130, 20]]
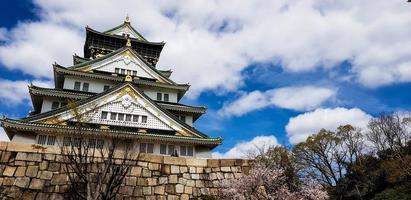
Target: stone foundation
[[36, 172]]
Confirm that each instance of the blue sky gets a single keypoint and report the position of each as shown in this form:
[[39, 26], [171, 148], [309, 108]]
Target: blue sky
[[268, 77]]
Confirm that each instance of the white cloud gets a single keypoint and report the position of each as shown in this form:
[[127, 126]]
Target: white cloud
[[306, 124], [243, 149], [3, 135], [209, 43], [3, 34], [16, 92], [295, 98]]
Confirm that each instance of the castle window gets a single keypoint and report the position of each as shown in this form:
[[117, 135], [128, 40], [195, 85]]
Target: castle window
[[186, 151], [104, 115], [41, 139], [113, 116], [134, 73], [100, 144], [182, 118], [76, 142], [55, 105], [77, 85], [166, 97], [146, 148], [85, 87], [163, 149], [120, 116], [123, 71], [159, 96], [143, 119], [128, 118], [92, 143], [66, 141], [171, 149], [51, 140], [106, 87], [135, 118], [116, 70]]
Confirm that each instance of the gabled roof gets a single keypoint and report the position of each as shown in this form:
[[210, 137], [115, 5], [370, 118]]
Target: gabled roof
[[86, 65], [88, 29], [52, 115], [126, 27], [78, 59], [78, 95]]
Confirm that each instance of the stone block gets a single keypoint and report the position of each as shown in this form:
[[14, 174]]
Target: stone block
[[184, 197], [173, 197], [32, 171], [50, 157], [172, 179], [146, 173], [22, 182], [170, 189], [182, 181], [9, 171], [45, 175], [187, 176], [166, 169], [151, 158], [126, 190], [227, 162], [215, 169], [59, 179], [188, 190], [36, 184], [207, 170], [191, 183], [142, 164], [174, 160], [131, 181], [141, 182], [138, 191], [5, 157], [153, 166], [228, 175], [54, 167], [19, 163], [135, 171], [192, 170], [21, 156], [43, 165], [8, 181], [146, 190], [199, 183], [200, 170], [213, 163], [162, 180], [28, 195], [175, 169], [21, 171], [225, 169], [151, 181], [183, 169], [35, 157], [179, 188], [56, 196], [159, 189], [195, 176], [196, 162]]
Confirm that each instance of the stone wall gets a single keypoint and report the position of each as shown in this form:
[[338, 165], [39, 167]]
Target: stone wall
[[36, 172]]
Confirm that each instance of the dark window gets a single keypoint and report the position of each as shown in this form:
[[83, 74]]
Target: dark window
[[77, 85], [66, 141], [92, 143], [128, 72], [128, 118], [143, 148], [41, 139], [170, 149], [113, 116], [106, 87], [120, 116], [134, 73], [123, 71], [183, 118], [51, 140], [55, 105], [104, 115], [100, 144], [190, 151], [159, 95], [143, 119], [163, 149], [116, 70], [135, 118], [63, 104], [183, 150], [166, 97], [77, 142], [150, 148], [85, 87]]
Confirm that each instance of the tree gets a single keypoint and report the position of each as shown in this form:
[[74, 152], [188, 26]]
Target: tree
[[95, 171], [322, 157]]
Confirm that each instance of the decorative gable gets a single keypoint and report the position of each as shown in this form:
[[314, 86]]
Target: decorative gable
[[126, 30], [125, 62], [130, 108]]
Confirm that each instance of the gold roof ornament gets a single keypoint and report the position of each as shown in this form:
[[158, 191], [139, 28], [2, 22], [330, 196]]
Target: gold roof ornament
[[128, 42], [128, 78], [127, 20]]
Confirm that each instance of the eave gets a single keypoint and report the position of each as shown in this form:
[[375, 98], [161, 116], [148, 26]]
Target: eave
[[88, 29], [10, 124]]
